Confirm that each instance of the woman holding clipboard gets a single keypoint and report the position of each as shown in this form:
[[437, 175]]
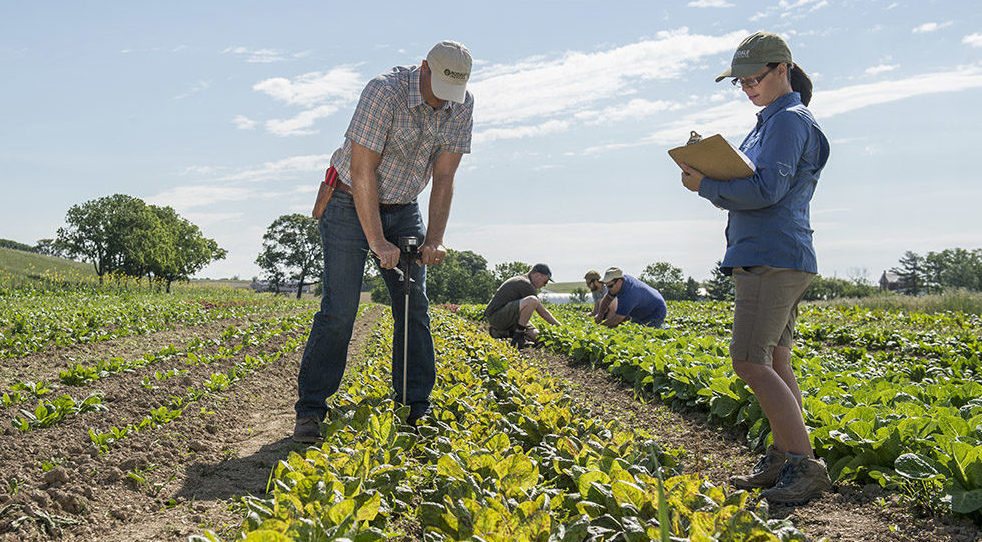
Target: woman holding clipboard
[[770, 255]]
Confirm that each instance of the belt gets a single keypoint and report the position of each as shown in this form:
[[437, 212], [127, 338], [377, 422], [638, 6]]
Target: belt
[[341, 187]]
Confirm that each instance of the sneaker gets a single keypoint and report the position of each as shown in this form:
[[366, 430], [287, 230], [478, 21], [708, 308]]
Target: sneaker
[[802, 479], [307, 430], [765, 473]]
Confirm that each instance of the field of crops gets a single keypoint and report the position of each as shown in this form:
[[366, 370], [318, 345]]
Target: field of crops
[[890, 397], [153, 416]]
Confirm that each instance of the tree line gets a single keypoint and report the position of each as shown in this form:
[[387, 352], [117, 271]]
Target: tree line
[[935, 272], [122, 234]]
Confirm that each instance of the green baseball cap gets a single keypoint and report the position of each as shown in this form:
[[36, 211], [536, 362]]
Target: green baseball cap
[[754, 53]]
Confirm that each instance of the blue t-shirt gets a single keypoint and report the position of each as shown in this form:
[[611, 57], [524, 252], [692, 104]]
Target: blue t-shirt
[[641, 303]]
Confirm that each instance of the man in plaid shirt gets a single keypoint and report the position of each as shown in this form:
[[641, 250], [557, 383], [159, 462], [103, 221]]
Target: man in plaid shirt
[[410, 124]]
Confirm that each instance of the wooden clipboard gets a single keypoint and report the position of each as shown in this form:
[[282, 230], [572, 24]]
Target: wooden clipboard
[[715, 158]]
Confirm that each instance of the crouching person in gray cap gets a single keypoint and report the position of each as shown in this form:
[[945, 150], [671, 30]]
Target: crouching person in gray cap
[[509, 311], [411, 124]]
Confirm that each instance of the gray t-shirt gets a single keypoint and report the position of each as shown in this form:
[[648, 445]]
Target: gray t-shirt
[[510, 290]]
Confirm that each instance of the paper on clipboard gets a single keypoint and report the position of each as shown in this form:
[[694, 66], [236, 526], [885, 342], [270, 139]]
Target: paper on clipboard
[[715, 158]]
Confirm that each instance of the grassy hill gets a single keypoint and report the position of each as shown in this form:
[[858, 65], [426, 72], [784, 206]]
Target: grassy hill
[[27, 266]]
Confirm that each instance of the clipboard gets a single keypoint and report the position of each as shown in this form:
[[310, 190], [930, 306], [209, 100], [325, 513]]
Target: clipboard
[[714, 157]]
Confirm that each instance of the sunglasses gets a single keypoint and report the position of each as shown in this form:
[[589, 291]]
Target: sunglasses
[[751, 82]]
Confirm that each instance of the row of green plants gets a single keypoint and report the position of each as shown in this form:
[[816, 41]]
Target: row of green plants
[[31, 323], [216, 382], [48, 412], [899, 425], [507, 456]]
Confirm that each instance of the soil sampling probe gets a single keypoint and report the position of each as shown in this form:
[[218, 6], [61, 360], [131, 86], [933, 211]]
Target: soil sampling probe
[[408, 253]]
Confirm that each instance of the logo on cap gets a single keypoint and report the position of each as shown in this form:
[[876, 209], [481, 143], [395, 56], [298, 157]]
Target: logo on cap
[[455, 75], [741, 53]]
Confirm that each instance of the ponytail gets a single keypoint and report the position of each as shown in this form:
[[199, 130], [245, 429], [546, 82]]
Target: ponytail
[[800, 82]]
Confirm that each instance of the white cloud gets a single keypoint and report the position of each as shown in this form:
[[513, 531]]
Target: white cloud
[[709, 4], [516, 132], [974, 40], [790, 10], [342, 83], [536, 87], [243, 122], [185, 197], [208, 219], [637, 108], [301, 123], [294, 167], [322, 94], [259, 56], [930, 27], [196, 88], [882, 68]]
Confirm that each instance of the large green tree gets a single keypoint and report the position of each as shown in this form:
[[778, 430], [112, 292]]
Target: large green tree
[[292, 250], [120, 233], [183, 249], [116, 233]]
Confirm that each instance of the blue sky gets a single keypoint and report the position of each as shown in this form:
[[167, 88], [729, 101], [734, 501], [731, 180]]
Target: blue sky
[[229, 112]]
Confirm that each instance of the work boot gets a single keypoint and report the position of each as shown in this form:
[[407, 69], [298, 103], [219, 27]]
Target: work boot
[[307, 430], [802, 479], [518, 337], [765, 473]]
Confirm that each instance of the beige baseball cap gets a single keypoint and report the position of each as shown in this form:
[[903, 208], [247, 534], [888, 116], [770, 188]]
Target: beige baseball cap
[[613, 273], [450, 68], [754, 53]]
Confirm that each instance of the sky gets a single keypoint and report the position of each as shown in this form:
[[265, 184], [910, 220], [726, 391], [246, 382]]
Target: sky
[[229, 111]]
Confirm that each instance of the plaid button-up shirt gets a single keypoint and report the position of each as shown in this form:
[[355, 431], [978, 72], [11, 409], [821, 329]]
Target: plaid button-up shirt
[[393, 120]]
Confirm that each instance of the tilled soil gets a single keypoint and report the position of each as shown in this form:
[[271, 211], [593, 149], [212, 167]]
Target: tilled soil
[[163, 483], [847, 513]]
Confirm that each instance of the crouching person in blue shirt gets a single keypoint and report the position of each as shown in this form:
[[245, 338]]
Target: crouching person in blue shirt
[[629, 299]]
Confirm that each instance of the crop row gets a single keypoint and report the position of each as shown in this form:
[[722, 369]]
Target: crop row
[[215, 382], [51, 411], [897, 425], [31, 323], [507, 455]]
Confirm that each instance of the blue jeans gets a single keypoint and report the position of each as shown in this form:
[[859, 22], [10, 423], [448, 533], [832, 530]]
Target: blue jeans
[[345, 250]]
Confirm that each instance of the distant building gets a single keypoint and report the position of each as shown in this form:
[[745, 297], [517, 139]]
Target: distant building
[[892, 282]]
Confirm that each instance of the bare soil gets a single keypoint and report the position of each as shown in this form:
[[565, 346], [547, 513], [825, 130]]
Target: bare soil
[[847, 513], [194, 469]]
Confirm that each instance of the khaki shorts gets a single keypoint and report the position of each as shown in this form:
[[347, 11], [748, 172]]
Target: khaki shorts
[[765, 312], [503, 321]]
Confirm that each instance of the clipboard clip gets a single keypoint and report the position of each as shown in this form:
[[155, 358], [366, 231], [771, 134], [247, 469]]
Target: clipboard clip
[[694, 137]]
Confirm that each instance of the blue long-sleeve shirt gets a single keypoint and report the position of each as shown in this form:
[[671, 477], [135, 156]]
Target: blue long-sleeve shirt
[[769, 222]]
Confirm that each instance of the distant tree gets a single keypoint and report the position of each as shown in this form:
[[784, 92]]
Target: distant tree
[[507, 270], [7, 243], [691, 289], [463, 277], [292, 250], [49, 247], [720, 286], [666, 278], [911, 272], [579, 294], [115, 233], [182, 249]]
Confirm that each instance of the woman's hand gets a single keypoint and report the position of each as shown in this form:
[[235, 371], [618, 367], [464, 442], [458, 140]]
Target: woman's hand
[[691, 178]]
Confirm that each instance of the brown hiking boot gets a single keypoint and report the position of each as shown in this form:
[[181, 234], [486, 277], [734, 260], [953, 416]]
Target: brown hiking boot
[[765, 473], [802, 479], [307, 430]]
